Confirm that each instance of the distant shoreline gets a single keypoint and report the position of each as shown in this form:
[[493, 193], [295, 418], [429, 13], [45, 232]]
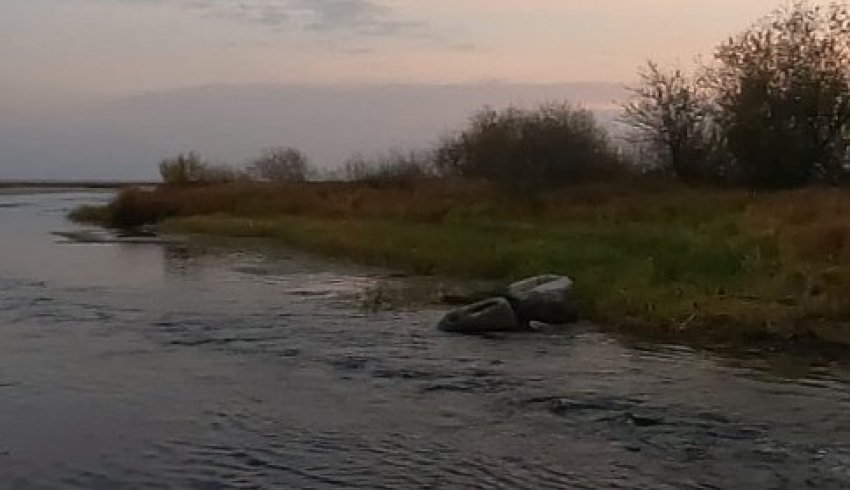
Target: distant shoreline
[[23, 191], [72, 184], [14, 188]]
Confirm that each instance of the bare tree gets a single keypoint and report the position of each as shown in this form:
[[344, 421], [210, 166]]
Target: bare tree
[[670, 117]]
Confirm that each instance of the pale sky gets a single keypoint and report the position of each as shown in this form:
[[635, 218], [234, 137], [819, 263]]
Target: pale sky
[[104, 89], [121, 46]]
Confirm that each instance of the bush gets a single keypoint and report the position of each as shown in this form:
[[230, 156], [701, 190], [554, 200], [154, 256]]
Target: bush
[[191, 169], [530, 150], [773, 110], [782, 89], [185, 168], [90, 214], [282, 164], [134, 207], [394, 168]]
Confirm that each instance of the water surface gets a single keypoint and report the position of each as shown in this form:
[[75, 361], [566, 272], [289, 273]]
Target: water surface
[[144, 365]]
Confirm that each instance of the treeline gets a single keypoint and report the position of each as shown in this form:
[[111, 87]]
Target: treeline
[[771, 109], [551, 146]]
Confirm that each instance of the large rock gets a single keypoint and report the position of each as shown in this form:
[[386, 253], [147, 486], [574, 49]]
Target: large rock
[[546, 299], [492, 315]]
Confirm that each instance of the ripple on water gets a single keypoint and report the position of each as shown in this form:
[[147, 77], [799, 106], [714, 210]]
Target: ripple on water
[[345, 460], [240, 370]]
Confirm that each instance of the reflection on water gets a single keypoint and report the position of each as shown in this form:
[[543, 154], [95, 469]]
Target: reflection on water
[[187, 366]]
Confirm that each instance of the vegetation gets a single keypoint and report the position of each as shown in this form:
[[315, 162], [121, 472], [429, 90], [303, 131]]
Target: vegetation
[[520, 192], [772, 111], [282, 164], [394, 168], [661, 257], [782, 91], [531, 150], [672, 120], [92, 214], [191, 169]]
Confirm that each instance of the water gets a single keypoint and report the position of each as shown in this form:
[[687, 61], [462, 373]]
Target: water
[[144, 365]]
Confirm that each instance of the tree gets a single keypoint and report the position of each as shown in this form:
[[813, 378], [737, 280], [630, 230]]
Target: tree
[[282, 164], [530, 150], [671, 117], [782, 94]]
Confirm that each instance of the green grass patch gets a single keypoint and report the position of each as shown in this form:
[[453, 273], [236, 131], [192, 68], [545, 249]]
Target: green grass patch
[[648, 274]]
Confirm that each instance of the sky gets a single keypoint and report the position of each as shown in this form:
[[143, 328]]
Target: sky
[[122, 46], [106, 88]]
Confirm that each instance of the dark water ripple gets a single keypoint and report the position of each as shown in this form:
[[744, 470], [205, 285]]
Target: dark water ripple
[[175, 366]]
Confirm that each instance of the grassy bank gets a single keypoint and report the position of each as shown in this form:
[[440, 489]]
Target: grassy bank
[[718, 264]]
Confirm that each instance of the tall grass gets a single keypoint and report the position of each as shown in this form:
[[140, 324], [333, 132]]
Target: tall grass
[[655, 255], [649, 274]]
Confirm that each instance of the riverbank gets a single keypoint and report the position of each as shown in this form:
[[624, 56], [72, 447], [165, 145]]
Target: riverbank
[[22, 187], [178, 365], [721, 265]]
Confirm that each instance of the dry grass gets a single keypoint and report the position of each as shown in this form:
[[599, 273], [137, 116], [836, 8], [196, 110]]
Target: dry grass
[[426, 201], [436, 200], [724, 263]]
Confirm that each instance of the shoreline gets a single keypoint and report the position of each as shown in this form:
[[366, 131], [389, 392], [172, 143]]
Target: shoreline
[[708, 329], [22, 191], [691, 265], [62, 185]]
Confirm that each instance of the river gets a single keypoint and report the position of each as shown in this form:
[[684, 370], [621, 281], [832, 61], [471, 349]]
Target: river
[[156, 365]]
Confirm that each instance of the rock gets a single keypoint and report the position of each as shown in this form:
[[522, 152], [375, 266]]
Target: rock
[[547, 299], [492, 315]]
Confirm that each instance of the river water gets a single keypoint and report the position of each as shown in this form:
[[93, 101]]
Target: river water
[[146, 365]]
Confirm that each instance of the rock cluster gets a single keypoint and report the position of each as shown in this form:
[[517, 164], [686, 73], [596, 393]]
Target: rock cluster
[[548, 299]]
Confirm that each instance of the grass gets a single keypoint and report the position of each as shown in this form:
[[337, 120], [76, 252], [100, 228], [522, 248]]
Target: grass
[[641, 273], [720, 264], [90, 214]]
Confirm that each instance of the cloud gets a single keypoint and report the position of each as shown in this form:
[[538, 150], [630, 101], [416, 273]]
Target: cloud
[[349, 17]]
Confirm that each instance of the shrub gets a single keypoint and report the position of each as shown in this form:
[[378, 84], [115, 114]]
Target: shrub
[[782, 91], [190, 168], [772, 111], [394, 168], [134, 207], [183, 169], [90, 214], [282, 164], [530, 150]]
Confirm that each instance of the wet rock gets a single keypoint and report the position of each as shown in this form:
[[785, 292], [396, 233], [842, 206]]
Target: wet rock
[[492, 315], [548, 299]]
